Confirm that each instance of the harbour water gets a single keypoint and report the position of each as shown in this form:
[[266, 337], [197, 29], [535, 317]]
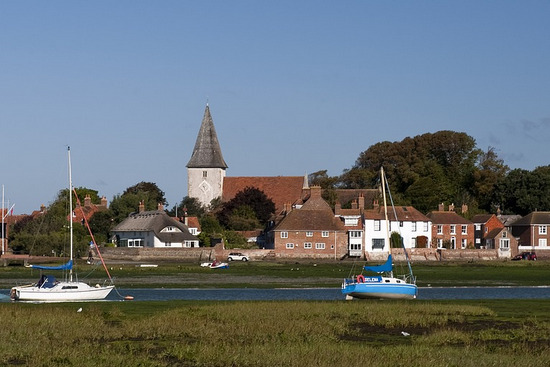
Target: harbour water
[[312, 294]]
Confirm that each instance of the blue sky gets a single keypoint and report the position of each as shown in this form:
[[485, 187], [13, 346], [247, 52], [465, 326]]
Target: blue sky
[[293, 86]]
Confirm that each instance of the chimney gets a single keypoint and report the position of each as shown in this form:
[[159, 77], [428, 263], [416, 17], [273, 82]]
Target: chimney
[[361, 202], [305, 185], [141, 206], [87, 201], [441, 207], [498, 211], [315, 192], [375, 204], [160, 206], [452, 207], [464, 208], [337, 208], [42, 208], [103, 201]]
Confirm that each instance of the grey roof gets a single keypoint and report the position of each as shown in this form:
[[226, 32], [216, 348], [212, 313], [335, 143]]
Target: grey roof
[[533, 218], [155, 221], [207, 152]]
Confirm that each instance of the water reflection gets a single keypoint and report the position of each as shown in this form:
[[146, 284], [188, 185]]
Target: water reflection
[[313, 294]]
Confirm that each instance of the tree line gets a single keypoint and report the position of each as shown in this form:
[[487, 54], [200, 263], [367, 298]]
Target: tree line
[[423, 171]]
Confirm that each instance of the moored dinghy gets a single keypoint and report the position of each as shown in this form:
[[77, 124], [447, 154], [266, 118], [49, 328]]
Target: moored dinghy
[[384, 284]]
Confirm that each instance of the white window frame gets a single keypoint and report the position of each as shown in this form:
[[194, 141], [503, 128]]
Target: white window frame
[[453, 243], [308, 245], [320, 246], [324, 233], [413, 226], [453, 229], [464, 229], [504, 244], [309, 233], [377, 224], [543, 242], [543, 229], [426, 226], [284, 234], [464, 243], [290, 246], [439, 229]]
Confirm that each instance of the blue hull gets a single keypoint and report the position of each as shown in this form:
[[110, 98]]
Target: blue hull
[[380, 290]]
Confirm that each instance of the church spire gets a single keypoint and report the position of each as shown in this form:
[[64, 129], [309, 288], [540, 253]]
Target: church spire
[[207, 152]]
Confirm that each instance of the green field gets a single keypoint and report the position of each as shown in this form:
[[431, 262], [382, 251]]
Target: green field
[[290, 333]]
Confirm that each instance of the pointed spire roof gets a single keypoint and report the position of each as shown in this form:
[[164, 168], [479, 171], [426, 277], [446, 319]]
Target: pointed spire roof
[[207, 152]]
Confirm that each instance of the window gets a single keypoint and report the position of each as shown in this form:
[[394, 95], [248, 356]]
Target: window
[[319, 246], [440, 243], [478, 227], [289, 246], [439, 229], [414, 226], [400, 223], [284, 234], [135, 242], [425, 226], [542, 242], [324, 234], [377, 225], [504, 234], [464, 229], [204, 174], [504, 244], [377, 243], [188, 244], [542, 230], [413, 242], [478, 240], [355, 234], [307, 245], [309, 233], [453, 243], [453, 229], [464, 243], [168, 244]]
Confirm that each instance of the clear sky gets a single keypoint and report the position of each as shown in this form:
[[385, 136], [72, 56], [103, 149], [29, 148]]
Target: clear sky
[[293, 86]]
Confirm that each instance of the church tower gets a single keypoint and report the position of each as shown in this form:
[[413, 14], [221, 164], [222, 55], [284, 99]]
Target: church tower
[[206, 168]]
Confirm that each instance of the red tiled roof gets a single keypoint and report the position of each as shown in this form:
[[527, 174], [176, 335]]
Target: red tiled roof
[[280, 189], [193, 222], [315, 214], [447, 218]]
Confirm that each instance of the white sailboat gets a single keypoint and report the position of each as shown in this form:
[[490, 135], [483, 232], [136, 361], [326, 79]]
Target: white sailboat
[[49, 289], [384, 284]]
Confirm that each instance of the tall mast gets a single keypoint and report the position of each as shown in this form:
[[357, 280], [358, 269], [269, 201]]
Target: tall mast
[[383, 181], [70, 213]]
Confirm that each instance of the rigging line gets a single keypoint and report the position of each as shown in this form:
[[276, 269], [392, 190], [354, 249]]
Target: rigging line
[[395, 216], [92, 235]]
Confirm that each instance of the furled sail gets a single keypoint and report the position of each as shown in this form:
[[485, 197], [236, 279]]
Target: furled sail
[[386, 267], [67, 266]]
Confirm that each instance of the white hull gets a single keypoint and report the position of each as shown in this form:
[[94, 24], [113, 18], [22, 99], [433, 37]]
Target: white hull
[[380, 288], [61, 292]]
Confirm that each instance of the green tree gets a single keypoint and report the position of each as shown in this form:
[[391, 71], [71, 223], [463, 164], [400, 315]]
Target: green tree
[[489, 171], [127, 203], [188, 205], [252, 197]]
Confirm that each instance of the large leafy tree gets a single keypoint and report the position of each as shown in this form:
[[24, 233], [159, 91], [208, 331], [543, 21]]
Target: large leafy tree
[[256, 201], [128, 202], [188, 205], [488, 172]]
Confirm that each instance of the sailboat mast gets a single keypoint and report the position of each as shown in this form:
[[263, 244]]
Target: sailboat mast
[[383, 181], [70, 213]]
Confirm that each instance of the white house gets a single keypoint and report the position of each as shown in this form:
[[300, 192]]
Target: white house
[[153, 229], [413, 226]]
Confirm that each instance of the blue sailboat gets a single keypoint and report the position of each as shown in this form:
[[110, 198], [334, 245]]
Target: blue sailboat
[[379, 281]]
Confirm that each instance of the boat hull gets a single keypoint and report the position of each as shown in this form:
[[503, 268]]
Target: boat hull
[[61, 292], [377, 290]]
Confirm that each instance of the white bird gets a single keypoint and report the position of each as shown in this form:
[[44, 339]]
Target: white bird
[[79, 310], [404, 333]]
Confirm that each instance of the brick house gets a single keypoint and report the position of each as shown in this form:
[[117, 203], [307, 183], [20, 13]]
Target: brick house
[[502, 240], [353, 222], [450, 230], [485, 224], [532, 231], [312, 231]]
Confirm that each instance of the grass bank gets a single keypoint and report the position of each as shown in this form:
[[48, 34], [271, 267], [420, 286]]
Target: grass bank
[[297, 274], [358, 333]]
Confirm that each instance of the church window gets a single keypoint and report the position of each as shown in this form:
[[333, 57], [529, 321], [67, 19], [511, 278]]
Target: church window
[[204, 174]]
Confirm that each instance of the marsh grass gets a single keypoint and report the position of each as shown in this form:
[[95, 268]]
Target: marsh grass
[[293, 333]]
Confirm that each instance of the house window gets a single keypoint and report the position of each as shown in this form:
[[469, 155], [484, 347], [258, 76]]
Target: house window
[[400, 223], [289, 246], [440, 243], [413, 242], [425, 226], [464, 229], [453, 243], [284, 234], [355, 234], [193, 231], [319, 246], [324, 234], [307, 245], [439, 229], [542, 230], [309, 234], [188, 244], [478, 241], [377, 225], [478, 227], [504, 234], [453, 229], [137, 242], [204, 174], [464, 243], [504, 244], [168, 244], [542, 242], [377, 243], [414, 226]]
